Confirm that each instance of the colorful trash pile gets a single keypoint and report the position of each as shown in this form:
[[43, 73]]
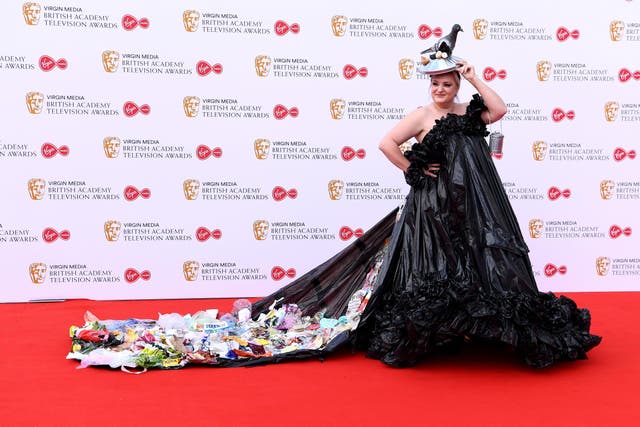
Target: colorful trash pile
[[174, 340]]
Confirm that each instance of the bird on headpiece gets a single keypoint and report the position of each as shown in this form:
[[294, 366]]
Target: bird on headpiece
[[445, 44]]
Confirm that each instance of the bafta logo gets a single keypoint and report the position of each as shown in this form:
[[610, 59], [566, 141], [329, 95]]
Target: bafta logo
[[110, 60], [603, 264], [191, 20], [406, 68], [405, 146], [535, 228], [260, 229], [335, 189], [111, 145], [616, 28], [480, 27], [38, 272], [261, 148], [339, 25], [191, 105], [31, 13], [611, 110], [543, 68], [112, 230], [607, 188], [35, 101], [337, 107], [190, 270], [539, 150], [191, 188], [36, 188], [263, 65]]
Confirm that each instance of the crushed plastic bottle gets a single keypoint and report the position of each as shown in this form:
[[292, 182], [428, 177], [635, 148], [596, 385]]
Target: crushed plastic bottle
[[242, 310]]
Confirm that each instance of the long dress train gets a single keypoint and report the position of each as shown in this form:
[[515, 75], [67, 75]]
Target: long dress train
[[449, 265]]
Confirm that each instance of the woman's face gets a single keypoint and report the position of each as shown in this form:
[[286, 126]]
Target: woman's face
[[444, 88]]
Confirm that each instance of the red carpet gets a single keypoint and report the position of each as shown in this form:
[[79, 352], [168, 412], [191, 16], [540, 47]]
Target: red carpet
[[480, 387]]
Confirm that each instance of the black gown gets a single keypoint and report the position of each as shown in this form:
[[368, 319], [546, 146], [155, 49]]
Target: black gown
[[450, 265], [456, 267]]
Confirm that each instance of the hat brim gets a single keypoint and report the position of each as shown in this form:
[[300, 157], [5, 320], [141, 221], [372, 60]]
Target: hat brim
[[439, 66]]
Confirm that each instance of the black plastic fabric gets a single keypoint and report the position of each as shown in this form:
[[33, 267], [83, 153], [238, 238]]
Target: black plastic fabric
[[457, 267]]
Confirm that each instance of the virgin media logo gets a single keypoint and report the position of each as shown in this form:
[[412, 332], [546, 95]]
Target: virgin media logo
[[279, 273], [130, 109], [203, 234], [50, 235], [616, 231], [132, 275], [281, 28], [347, 233], [349, 153], [619, 154], [280, 112], [558, 115], [551, 270], [490, 73], [563, 34], [130, 22], [49, 150], [425, 31], [47, 63], [351, 71], [131, 193], [203, 152], [555, 193], [280, 193], [203, 68], [624, 75]]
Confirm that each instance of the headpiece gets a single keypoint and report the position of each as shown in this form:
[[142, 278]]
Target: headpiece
[[438, 59]]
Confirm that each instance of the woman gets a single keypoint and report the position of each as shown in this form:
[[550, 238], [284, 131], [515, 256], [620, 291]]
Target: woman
[[450, 266], [444, 91], [463, 273]]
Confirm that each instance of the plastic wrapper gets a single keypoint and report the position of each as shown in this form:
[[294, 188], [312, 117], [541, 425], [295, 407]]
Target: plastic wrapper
[[451, 264]]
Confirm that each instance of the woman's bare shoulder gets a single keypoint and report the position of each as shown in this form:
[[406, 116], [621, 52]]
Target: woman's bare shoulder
[[461, 108]]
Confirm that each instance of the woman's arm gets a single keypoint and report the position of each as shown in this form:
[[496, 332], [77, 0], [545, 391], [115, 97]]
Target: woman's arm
[[405, 129], [495, 104]]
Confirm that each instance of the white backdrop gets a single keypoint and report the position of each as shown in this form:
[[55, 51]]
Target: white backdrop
[[186, 205]]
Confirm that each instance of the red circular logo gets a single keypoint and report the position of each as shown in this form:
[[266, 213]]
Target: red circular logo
[[203, 234], [280, 193], [132, 193], [424, 31], [203, 68], [281, 28], [47, 63], [555, 193], [203, 152], [50, 235], [280, 112], [348, 153], [132, 275], [350, 71], [129, 22], [49, 150], [278, 273], [130, 109], [347, 233], [551, 270]]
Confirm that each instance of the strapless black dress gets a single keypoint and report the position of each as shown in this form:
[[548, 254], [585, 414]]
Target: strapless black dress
[[456, 266], [450, 265]]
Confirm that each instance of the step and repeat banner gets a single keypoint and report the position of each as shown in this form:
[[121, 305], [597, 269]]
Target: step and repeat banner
[[191, 149]]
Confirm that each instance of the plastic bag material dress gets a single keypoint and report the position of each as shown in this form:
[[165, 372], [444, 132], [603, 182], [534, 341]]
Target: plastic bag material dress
[[462, 269], [449, 265]]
